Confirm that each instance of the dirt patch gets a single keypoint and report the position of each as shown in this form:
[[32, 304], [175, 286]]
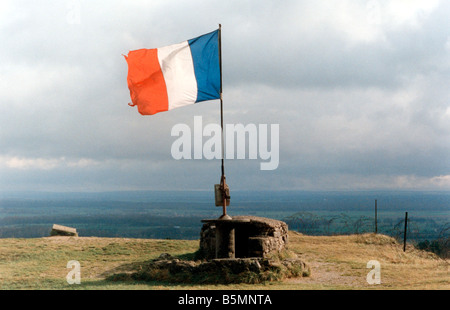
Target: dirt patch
[[328, 274]]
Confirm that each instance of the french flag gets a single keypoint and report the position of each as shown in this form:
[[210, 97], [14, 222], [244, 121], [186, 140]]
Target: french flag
[[173, 76]]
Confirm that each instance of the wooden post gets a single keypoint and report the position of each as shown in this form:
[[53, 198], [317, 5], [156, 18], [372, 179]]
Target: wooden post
[[376, 224], [404, 235]]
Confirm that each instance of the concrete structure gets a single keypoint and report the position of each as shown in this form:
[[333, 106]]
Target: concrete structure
[[242, 237]]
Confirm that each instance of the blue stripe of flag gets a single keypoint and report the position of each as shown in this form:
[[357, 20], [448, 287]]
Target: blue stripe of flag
[[205, 55]]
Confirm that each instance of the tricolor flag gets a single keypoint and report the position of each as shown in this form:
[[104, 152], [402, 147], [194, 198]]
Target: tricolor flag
[[173, 76]]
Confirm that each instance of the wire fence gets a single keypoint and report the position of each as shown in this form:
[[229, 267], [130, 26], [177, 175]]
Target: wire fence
[[423, 233]]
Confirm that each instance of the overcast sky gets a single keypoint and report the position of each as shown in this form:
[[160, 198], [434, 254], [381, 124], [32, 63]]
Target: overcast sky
[[360, 90]]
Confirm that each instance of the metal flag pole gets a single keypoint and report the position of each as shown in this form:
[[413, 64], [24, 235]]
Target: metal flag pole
[[223, 185], [221, 96]]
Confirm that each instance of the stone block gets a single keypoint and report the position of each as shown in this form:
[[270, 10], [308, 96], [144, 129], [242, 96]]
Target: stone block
[[59, 230]]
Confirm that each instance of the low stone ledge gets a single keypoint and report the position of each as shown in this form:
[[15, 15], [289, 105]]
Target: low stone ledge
[[217, 271]]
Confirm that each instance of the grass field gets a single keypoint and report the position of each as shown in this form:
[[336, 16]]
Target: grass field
[[336, 262]]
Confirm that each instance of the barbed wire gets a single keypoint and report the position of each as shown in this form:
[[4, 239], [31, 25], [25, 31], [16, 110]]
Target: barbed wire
[[437, 241]]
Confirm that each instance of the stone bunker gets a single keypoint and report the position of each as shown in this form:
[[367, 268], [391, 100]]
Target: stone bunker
[[243, 249], [242, 237]]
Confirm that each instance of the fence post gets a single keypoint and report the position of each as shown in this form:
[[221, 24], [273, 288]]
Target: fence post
[[404, 235], [376, 224]]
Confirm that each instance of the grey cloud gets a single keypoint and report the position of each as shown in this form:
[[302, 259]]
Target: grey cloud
[[347, 108]]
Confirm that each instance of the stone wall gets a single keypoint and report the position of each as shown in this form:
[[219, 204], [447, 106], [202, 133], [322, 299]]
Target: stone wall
[[208, 241], [254, 237]]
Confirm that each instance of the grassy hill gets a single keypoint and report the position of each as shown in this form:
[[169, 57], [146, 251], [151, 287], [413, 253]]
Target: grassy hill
[[336, 262]]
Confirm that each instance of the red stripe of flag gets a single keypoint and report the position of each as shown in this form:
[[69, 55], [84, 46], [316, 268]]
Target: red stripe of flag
[[146, 82]]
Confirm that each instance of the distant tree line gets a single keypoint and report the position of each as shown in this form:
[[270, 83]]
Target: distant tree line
[[425, 233], [440, 246]]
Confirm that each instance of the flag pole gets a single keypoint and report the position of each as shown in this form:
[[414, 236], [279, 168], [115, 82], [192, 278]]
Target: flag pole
[[221, 96], [223, 184]]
